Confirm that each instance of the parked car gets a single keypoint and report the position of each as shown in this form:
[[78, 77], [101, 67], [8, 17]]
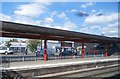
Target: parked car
[[66, 51], [69, 52], [5, 50], [40, 53]]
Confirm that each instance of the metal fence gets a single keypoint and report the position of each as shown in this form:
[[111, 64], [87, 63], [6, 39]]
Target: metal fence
[[8, 59]]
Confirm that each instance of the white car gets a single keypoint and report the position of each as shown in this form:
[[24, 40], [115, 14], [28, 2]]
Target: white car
[[5, 50]]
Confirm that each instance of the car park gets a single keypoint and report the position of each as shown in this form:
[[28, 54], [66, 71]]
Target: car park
[[5, 50]]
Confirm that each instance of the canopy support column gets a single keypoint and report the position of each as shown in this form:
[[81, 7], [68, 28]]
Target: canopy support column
[[45, 50], [82, 50], [106, 52]]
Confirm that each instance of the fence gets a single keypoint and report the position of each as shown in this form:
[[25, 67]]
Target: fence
[[8, 59]]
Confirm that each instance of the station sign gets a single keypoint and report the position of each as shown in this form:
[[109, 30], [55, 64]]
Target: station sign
[[66, 44]]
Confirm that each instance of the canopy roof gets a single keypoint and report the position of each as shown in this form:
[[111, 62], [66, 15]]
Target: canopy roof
[[17, 30]]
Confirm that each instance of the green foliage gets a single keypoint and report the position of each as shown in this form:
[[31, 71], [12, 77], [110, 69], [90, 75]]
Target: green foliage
[[8, 43], [13, 40], [32, 44]]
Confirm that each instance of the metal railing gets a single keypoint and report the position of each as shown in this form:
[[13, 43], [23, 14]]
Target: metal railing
[[34, 58]]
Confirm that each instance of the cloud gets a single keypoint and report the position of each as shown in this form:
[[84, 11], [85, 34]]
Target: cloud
[[4, 17], [26, 20], [113, 25], [62, 15], [110, 30], [100, 14], [101, 19], [105, 24], [53, 13], [98, 30], [86, 5], [93, 11], [74, 10], [58, 27], [85, 30], [47, 25], [68, 25], [94, 27], [82, 14], [31, 10], [19, 19], [48, 20]]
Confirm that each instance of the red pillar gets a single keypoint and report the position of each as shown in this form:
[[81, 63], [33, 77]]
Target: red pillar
[[61, 55], [82, 50], [45, 50], [106, 52]]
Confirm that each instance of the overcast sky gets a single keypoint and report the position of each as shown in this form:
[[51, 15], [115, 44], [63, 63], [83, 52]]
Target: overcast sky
[[87, 17]]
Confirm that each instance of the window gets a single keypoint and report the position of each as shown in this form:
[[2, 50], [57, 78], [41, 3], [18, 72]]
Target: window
[[3, 48]]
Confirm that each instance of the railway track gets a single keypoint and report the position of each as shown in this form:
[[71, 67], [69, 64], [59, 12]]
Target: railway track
[[91, 73], [70, 69]]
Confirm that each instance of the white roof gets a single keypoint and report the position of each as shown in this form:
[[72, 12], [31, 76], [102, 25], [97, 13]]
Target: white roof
[[2, 44], [16, 44]]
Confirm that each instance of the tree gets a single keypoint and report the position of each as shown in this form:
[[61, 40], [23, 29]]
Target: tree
[[32, 44], [13, 40], [8, 43]]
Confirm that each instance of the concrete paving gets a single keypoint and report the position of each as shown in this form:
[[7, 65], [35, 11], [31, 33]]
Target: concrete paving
[[54, 63]]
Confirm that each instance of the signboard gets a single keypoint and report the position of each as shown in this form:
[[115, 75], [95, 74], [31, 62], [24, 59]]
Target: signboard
[[66, 44], [93, 51]]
